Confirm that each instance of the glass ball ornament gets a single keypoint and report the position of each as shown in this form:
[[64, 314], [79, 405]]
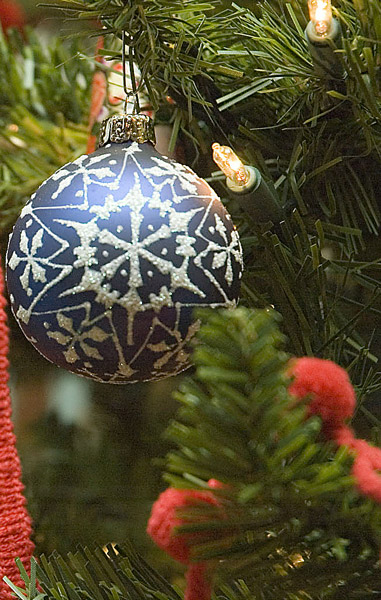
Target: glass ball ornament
[[111, 255]]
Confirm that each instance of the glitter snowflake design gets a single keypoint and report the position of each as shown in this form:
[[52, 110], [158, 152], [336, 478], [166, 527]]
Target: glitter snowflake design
[[111, 255]]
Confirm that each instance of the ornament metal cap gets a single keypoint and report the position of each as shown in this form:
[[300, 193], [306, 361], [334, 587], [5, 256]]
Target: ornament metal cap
[[125, 128]]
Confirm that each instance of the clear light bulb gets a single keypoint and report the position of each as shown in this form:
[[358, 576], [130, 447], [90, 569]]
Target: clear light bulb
[[320, 15], [230, 164]]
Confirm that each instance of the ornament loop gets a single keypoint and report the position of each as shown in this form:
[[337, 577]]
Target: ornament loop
[[124, 128], [134, 92]]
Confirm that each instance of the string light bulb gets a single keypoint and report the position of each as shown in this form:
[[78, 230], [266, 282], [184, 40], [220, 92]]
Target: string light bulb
[[324, 37], [247, 186], [321, 16], [231, 165]]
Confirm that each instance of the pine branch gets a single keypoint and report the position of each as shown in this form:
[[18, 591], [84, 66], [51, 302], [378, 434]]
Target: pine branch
[[291, 514], [108, 573], [47, 127], [32, 149], [49, 80]]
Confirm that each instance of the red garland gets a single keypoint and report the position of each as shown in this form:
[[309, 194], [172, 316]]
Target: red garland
[[98, 96], [161, 527], [333, 398], [331, 393], [12, 15], [15, 523], [367, 464]]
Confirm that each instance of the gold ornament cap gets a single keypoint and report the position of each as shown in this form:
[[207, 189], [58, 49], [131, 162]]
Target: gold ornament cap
[[127, 128]]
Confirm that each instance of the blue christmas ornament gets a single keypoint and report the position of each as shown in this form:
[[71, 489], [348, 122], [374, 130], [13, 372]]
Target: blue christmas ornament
[[111, 255]]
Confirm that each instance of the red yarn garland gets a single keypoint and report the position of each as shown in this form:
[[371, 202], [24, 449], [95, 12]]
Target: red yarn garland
[[333, 398], [12, 15], [98, 96], [161, 527], [367, 464], [15, 523], [199, 585], [331, 393]]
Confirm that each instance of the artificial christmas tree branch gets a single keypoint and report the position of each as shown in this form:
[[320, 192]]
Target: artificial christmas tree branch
[[47, 126], [108, 573], [287, 491]]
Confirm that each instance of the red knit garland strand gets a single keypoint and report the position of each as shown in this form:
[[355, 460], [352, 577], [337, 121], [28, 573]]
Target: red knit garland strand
[[15, 523], [333, 398], [162, 525], [12, 15], [199, 586], [98, 97]]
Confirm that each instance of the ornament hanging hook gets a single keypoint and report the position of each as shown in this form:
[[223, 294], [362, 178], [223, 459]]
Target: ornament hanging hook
[[134, 92], [131, 125]]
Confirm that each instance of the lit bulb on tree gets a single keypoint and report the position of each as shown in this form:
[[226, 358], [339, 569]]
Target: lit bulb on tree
[[111, 255], [321, 16], [247, 185], [238, 176], [323, 34]]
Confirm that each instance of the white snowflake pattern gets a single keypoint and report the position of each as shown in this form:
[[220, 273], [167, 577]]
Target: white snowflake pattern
[[32, 262], [171, 169], [66, 176], [70, 338], [224, 254]]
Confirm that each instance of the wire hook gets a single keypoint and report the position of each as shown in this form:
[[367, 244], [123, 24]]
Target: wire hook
[[134, 92]]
